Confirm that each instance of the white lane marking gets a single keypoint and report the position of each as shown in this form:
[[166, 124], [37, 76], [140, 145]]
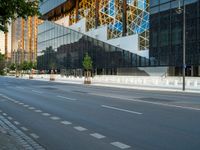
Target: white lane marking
[[19, 87], [8, 98], [24, 128], [120, 145], [5, 114], [155, 103], [66, 122], [97, 135], [71, 99], [45, 114], [34, 135], [21, 103], [17, 123], [120, 109], [79, 128], [55, 118], [38, 111], [10, 118], [36, 91], [31, 108], [26, 105]]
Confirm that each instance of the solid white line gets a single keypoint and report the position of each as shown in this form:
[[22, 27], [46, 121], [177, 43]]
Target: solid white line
[[97, 135], [79, 128], [72, 99], [66, 122], [8, 98], [120, 109], [45, 114], [120, 145], [37, 91], [155, 103], [55, 118], [34, 135], [24, 128], [169, 105]]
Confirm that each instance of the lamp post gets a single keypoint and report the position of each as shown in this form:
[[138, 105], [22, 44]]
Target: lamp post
[[180, 11]]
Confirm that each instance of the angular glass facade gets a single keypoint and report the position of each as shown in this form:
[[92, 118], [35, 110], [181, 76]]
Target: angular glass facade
[[48, 5], [63, 48], [166, 32]]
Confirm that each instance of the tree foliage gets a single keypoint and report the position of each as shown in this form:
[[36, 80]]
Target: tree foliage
[[12, 67], [87, 62], [12, 9], [2, 64]]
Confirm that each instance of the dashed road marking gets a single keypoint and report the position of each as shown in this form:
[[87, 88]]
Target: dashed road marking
[[31, 108], [97, 135], [34, 135], [148, 102], [36, 91], [5, 114], [120, 109], [38, 111], [45, 114], [79, 128], [66, 122], [26, 105], [10, 118], [55, 118], [24, 128], [16, 122], [21, 103], [67, 98], [19, 87], [120, 145]]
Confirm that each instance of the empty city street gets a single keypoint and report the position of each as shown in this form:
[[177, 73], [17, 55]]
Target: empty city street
[[85, 117]]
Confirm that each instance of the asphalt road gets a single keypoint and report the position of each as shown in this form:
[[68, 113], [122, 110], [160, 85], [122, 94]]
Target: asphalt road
[[79, 117]]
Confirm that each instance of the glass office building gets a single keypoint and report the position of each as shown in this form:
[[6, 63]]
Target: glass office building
[[166, 35], [63, 48]]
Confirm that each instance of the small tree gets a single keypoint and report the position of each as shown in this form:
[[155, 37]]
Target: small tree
[[87, 64], [12, 67]]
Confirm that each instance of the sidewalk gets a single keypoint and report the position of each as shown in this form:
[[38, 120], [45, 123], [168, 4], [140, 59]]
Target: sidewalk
[[173, 84], [7, 142]]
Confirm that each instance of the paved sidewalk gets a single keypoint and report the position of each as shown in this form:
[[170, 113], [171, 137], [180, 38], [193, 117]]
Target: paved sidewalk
[[7, 142], [11, 138]]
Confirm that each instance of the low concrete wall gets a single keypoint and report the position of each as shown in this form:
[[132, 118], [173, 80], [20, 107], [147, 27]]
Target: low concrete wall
[[173, 82], [144, 81]]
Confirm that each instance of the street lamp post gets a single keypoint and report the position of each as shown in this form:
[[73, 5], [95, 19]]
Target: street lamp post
[[179, 11]]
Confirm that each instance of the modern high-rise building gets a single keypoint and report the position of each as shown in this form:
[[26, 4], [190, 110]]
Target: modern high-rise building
[[166, 35], [5, 43], [115, 33], [24, 40]]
